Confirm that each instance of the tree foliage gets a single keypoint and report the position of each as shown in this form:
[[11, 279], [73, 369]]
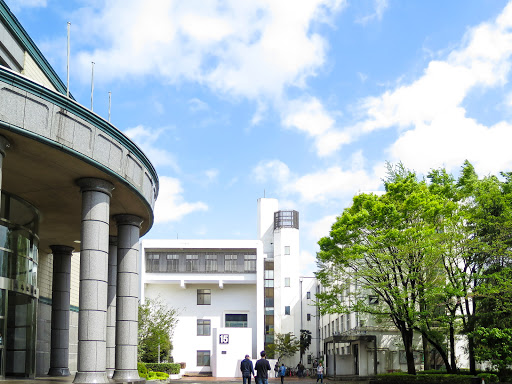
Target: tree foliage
[[156, 325], [305, 342], [285, 345], [435, 252]]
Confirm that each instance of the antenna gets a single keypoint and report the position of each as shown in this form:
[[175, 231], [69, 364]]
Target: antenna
[[92, 83], [109, 104], [67, 65]]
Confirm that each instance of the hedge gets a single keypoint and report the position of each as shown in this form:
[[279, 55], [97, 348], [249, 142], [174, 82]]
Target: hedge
[[403, 378], [170, 368]]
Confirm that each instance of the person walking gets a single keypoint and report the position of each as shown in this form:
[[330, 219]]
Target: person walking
[[320, 373], [262, 367], [247, 369], [282, 372]]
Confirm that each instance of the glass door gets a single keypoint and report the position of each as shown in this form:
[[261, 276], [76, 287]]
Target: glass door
[[20, 342]]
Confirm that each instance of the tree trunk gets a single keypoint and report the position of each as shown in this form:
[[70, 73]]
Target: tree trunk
[[407, 337], [452, 349], [426, 357], [442, 352], [471, 353]]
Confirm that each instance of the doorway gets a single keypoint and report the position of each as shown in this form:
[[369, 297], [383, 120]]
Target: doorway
[[20, 330], [356, 358]]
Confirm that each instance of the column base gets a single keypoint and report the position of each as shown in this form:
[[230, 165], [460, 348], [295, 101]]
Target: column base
[[129, 375], [90, 377], [123, 381], [58, 372], [110, 372]]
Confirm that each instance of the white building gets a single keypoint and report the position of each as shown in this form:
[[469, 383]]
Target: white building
[[233, 295]]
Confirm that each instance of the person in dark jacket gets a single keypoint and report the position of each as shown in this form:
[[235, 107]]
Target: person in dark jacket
[[247, 369], [262, 367]]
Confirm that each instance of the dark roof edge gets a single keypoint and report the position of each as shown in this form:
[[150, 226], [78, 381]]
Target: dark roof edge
[[28, 44]]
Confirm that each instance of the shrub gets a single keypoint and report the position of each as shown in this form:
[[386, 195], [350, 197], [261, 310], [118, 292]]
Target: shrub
[[143, 371], [157, 376], [489, 377], [404, 378], [164, 367]]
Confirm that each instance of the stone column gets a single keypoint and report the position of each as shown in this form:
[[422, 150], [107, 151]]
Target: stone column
[[92, 318], [59, 352], [111, 306], [128, 232]]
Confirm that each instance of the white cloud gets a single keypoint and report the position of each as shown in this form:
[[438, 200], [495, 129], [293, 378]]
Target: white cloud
[[170, 205], [429, 112], [146, 139], [333, 183], [197, 105], [309, 115], [211, 174], [320, 228], [380, 7], [271, 170], [16, 5], [253, 48], [307, 262]]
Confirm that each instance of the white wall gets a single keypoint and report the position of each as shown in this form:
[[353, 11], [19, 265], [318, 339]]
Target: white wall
[[236, 298], [226, 358]]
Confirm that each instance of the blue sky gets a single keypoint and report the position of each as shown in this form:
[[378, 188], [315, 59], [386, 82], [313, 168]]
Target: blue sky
[[301, 100]]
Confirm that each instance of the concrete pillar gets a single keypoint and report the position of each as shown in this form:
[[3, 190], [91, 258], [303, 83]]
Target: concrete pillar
[[111, 306], [92, 318], [128, 232], [59, 352]]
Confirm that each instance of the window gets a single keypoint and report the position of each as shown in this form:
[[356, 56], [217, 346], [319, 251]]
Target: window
[[308, 316], [203, 328], [192, 263], [287, 310], [348, 322], [236, 320], [269, 283], [286, 281], [211, 263], [337, 325], [203, 358], [250, 263], [286, 249], [308, 295], [309, 359], [172, 263], [341, 323], [230, 262], [204, 297], [153, 262], [328, 330]]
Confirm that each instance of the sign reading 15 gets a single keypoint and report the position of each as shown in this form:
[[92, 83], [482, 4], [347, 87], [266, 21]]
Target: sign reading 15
[[223, 339]]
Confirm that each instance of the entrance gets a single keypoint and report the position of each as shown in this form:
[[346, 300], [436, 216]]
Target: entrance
[[356, 359], [21, 335]]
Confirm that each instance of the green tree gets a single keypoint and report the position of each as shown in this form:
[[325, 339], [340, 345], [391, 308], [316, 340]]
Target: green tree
[[305, 342], [156, 325], [495, 346], [385, 246], [285, 345]]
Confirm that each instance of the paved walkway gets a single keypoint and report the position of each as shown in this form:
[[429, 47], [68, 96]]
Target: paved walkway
[[188, 380]]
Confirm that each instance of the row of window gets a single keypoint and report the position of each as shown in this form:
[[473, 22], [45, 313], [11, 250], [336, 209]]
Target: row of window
[[200, 262], [235, 320], [341, 324]]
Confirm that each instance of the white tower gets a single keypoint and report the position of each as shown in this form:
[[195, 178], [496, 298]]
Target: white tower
[[279, 233]]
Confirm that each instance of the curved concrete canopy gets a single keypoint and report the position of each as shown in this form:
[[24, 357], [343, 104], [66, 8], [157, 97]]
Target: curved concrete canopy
[[53, 142]]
